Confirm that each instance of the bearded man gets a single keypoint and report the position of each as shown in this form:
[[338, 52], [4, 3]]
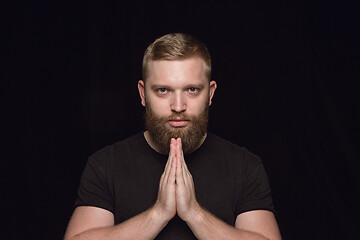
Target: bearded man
[[175, 180]]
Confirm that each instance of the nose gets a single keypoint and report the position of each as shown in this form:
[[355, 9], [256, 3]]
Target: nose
[[178, 103]]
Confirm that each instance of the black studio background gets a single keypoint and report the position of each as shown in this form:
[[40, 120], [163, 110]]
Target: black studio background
[[287, 74]]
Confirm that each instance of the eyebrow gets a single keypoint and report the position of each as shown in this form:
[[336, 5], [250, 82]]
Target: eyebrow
[[157, 86], [200, 85]]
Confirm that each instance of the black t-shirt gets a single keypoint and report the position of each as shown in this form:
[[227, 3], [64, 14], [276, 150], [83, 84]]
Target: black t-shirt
[[124, 178]]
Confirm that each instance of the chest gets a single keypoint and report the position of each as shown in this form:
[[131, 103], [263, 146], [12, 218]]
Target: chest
[[135, 189]]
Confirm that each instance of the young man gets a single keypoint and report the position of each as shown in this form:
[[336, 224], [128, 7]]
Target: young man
[[175, 180]]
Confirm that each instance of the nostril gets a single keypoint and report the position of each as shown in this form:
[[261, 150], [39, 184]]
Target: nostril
[[178, 108]]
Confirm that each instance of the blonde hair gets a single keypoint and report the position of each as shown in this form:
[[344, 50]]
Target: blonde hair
[[176, 46]]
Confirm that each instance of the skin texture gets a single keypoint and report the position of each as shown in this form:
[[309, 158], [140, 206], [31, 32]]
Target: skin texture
[[181, 87]]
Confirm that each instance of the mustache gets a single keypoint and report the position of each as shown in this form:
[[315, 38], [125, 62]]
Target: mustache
[[177, 116]]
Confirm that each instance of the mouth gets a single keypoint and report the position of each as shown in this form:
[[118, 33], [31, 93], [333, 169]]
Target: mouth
[[178, 122]]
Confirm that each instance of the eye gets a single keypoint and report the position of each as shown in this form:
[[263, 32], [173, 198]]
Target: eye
[[193, 90], [161, 90]]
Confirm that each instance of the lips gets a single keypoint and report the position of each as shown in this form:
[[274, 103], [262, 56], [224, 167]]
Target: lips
[[178, 122]]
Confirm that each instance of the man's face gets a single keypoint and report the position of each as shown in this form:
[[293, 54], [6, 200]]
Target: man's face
[[177, 95]]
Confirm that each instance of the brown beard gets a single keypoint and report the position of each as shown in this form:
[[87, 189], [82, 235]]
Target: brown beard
[[191, 135]]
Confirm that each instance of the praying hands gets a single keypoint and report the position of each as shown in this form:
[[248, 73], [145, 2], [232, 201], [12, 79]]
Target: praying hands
[[176, 190]]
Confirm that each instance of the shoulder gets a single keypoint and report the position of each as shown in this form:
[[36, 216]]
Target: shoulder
[[232, 152], [120, 146], [225, 146], [124, 148]]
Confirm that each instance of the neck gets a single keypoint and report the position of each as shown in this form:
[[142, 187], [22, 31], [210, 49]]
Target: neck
[[153, 144]]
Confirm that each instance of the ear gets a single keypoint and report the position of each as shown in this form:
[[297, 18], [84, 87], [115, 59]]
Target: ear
[[141, 88], [213, 87]]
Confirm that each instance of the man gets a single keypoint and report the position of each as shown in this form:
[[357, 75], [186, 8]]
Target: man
[[208, 189]]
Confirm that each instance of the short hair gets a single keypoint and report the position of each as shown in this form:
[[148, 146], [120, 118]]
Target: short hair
[[176, 46]]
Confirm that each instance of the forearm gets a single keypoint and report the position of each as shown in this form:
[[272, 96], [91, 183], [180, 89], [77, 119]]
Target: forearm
[[146, 225], [204, 225]]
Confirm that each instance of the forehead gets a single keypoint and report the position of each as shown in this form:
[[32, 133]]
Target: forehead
[[177, 72]]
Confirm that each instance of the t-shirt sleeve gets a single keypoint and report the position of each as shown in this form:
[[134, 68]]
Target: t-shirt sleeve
[[256, 191], [94, 189]]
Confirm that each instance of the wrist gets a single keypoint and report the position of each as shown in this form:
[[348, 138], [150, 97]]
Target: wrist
[[195, 214], [159, 215]]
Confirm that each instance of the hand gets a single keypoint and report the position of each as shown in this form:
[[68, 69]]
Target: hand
[[176, 189], [166, 202], [186, 203]]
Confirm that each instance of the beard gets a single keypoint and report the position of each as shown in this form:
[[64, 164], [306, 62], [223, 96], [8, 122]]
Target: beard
[[191, 135]]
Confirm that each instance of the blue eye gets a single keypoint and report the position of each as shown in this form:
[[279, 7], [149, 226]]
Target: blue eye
[[193, 90], [161, 90]]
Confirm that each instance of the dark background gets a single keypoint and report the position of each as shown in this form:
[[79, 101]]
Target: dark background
[[287, 74]]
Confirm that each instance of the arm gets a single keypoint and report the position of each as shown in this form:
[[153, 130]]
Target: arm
[[97, 223], [250, 225], [253, 225]]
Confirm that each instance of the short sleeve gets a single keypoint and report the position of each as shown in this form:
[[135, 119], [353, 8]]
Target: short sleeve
[[93, 189], [256, 191]]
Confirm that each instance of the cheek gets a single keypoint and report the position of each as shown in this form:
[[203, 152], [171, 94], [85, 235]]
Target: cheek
[[198, 104], [160, 107]]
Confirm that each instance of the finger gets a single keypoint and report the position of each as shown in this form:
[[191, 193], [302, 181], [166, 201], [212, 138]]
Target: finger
[[181, 153], [179, 172], [184, 169], [161, 181], [178, 162], [178, 145], [172, 174], [187, 175], [169, 162]]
